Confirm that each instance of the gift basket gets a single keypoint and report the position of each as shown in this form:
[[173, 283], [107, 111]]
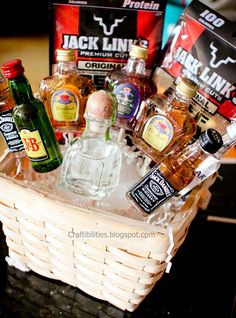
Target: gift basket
[[102, 251], [100, 186]]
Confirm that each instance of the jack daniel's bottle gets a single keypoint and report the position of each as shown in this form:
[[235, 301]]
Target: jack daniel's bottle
[[8, 128], [173, 173], [18, 166], [32, 122]]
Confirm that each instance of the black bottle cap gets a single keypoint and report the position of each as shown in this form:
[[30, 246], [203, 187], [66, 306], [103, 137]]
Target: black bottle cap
[[211, 140]]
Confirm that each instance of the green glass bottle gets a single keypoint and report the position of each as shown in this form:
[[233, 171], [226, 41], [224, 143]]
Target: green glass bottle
[[32, 121]]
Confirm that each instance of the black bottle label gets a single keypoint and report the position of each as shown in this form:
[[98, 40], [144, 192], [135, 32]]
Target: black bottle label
[[9, 132], [151, 191], [128, 99]]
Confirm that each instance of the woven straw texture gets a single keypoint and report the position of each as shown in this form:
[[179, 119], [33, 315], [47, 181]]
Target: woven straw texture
[[79, 246]]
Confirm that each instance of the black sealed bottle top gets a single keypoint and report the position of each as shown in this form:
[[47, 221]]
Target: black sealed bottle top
[[13, 68], [211, 140]]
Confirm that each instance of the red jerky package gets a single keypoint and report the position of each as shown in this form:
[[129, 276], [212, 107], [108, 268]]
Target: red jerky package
[[102, 32], [203, 47]]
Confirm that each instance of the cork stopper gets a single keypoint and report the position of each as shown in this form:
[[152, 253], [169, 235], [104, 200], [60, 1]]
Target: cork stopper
[[3, 83], [65, 55], [187, 87], [100, 105], [138, 52]]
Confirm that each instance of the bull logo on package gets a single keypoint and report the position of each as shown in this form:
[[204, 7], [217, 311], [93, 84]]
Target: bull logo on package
[[203, 49], [213, 62], [104, 26], [102, 33]]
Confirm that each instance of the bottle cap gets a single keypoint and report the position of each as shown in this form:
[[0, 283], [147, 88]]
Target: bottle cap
[[186, 87], [3, 83], [65, 55], [100, 105], [211, 140], [13, 68], [231, 130], [139, 52]]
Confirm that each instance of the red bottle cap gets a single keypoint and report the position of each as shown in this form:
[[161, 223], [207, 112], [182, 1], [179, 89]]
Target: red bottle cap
[[13, 68]]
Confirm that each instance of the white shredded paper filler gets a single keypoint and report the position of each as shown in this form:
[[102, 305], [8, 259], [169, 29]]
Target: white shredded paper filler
[[12, 261]]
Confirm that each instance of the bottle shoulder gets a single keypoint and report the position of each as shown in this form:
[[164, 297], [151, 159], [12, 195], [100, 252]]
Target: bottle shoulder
[[74, 82], [94, 147]]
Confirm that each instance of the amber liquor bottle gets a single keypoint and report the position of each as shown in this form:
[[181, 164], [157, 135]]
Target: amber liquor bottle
[[65, 93], [165, 123], [131, 85], [32, 121], [173, 173]]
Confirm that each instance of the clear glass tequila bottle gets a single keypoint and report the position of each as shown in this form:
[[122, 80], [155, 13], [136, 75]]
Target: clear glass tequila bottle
[[65, 93], [165, 123], [92, 162], [131, 85]]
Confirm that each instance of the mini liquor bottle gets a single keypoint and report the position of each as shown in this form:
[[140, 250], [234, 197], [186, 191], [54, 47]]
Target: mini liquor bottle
[[212, 163], [131, 85], [173, 173], [10, 140], [8, 128], [92, 162], [32, 121], [165, 123], [65, 93]]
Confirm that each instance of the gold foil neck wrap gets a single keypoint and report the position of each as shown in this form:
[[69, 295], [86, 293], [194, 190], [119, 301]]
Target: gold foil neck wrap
[[65, 55], [187, 87], [138, 52]]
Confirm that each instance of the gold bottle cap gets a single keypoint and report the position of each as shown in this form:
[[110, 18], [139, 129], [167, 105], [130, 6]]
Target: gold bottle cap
[[187, 87], [3, 83], [65, 55], [139, 52]]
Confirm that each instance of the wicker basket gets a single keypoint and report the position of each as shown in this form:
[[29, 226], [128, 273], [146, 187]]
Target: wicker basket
[[44, 234]]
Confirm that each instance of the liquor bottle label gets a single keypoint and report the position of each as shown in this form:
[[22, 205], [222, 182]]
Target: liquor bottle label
[[158, 132], [128, 99], [34, 145], [64, 105], [151, 191], [9, 132]]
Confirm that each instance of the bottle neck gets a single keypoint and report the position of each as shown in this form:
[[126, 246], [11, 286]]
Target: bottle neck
[[136, 65], [99, 128], [66, 68], [194, 154], [177, 100], [21, 90], [228, 143]]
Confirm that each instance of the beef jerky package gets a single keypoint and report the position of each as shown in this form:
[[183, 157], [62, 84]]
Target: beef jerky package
[[102, 32], [202, 47]]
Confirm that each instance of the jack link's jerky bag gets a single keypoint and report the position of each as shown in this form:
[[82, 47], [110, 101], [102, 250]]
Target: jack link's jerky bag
[[203, 47], [102, 32]]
